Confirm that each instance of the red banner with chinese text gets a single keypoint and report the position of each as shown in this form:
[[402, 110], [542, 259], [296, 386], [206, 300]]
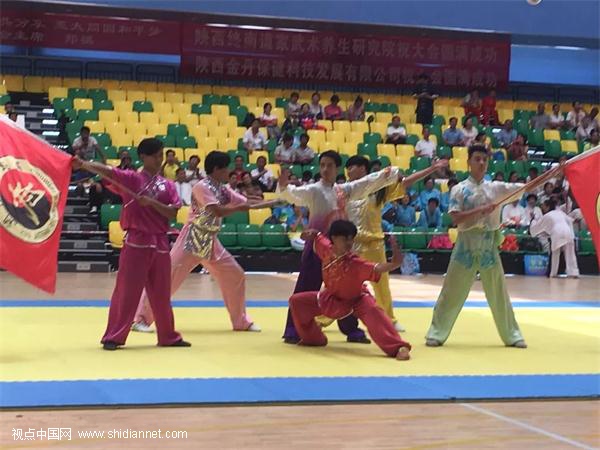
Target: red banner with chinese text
[[349, 59], [35, 29]]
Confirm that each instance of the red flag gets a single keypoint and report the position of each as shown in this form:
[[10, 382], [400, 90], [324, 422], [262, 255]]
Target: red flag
[[583, 173], [34, 181]]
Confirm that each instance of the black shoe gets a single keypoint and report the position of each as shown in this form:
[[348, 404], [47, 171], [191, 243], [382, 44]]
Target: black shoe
[[291, 340], [179, 343], [110, 345], [358, 340]]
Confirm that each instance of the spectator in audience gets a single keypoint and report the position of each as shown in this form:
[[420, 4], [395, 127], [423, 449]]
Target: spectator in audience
[[249, 188], [499, 176], [472, 104], [517, 151], [593, 141], [356, 111], [285, 153], [184, 187], [445, 196], [556, 119], [532, 211], [540, 120], [333, 110], [548, 192], [481, 139], [238, 167], [293, 107], [396, 133], [575, 116], [307, 120], [578, 219], [254, 139], [425, 147], [233, 181], [584, 129], [469, 132], [489, 114], [425, 98], [340, 179], [428, 192], [513, 177], [86, 146], [375, 166], [315, 107], [262, 175], [294, 180], [13, 115], [307, 177], [453, 136], [405, 213], [431, 217], [513, 215], [103, 191], [268, 120], [193, 172], [291, 124], [594, 118], [126, 162], [304, 154], [170, 166], [507, 135]]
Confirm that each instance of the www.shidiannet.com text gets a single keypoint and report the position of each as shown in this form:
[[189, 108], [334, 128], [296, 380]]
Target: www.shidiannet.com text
[[67, 434]]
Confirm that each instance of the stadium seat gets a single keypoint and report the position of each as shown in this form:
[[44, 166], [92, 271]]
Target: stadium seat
[[133, 95], [149, 118], [163, 108], [240, 217], [415, 239], [207, 143], [114, 128], [460, 152], [182, 214], [249, 237], [258, 216], [388, 150], [170, 118], [109, 213], [130, 116], [87, 114], [457, 164], [275, 238], [405, 150], [116, 235], [117, 95], [569, 147], [174, 97], [228, 236], [156, 129], [552, 149], [183, 109], [95, 126], [209, 121]]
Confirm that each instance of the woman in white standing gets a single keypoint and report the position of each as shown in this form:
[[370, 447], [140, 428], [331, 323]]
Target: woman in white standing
[[556, 224]]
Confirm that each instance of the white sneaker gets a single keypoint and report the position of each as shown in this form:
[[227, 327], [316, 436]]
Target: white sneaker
[[93, 210], [142, 327], [254, 327], [399, 328]]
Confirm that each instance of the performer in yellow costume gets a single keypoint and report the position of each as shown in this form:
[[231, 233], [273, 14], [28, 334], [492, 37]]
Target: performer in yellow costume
[[365, 213]]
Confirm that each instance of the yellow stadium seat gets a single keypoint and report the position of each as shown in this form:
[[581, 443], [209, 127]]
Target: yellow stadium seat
[[327, 124], [227, 143], [95, 126], [116, 235], [189, 152], [258, 111], [2, 109], [352, 136], [34, 84], [442, 110], [3, 89], [280, 114], [113, 162], [179, 153], [56, 81], [343, 126], [113, 128], [155, 97], [270, 195], [122, 106], [13, 82], [107, 116], [209, 121], [388, 150], [414, 128], [199, 132], [136, 96], [170, 118], [173, 97], [202, 88], [129, 117], [190, 120], [182, 109], [457, 164], [218, 132], [228, 122], [551, 135], [130, 85], [157, 129], [359, 127], [207, 144], [237, 132], [568, 146], [139, 137], [336, 136], [122, 140], [220, 110], [89, 83], [460, 152], [402, 162], [249, 102], [137, 128], [182, 214], [383, 117], [252, 158], [191, 98], [57, 92], [349, 148], [116, 95], [504, 115], [258, 216], [380, 128], [316, 136], [148, 86], [83, 103], [328, 145], [433, 138], [184, 88], [274, 168], [405, 150], [110, 85], [165, 87], [162, 108]]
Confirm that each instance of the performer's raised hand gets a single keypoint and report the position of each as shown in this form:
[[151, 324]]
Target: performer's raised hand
[[309, 235], [440, 163]]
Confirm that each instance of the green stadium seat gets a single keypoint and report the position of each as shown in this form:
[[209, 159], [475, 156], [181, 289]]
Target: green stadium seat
[[587, 246], [210, 99], [97, 94], [567, 135], [110, 152], [142, 106], [234, 153], [249, 237], [177, 130], [275, 238], [372, 138], [69, 113], [271, 145], [416, 239], [73, 127], [87, 114], [167, 140], [228, 237], [438, 120], [535, 138], [109, 213], [62, 103], [412, 139], [419, 162], [444, 151], [197, 108], [103, 139], [399, 237], [103, 105], [77, 93], [372, 107], [240, 217], [552, 149], [368, 149], [497, 166], [446, 220], [186, 142], [4, 99], [240, 112], [385, 161], [230, 100], [281, 102]]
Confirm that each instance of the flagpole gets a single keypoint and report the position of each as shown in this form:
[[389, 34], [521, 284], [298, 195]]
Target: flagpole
[[526, 186]]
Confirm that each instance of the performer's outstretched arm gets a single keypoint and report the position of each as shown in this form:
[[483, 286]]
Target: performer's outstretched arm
[[395, 262], [365, 186], [413, 178]]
